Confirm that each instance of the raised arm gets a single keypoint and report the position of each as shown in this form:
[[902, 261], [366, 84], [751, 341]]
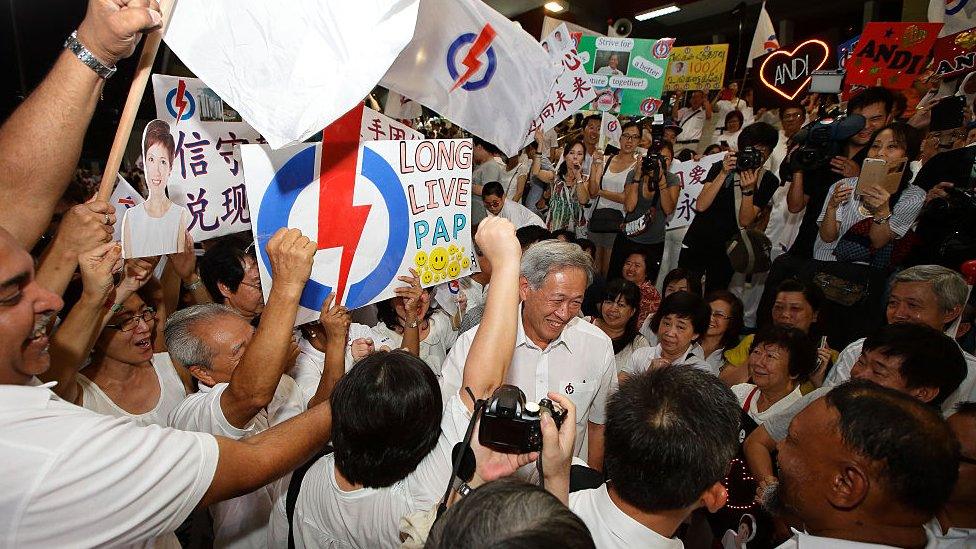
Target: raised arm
[[185, 266], [50, 124], [711, 188], [494, 343], [335, 321], [253, 383], [796, 199], [83, 226]]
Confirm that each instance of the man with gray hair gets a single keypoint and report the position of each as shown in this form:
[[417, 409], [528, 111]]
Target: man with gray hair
[[242, 387], [555, 350], [930, 295]]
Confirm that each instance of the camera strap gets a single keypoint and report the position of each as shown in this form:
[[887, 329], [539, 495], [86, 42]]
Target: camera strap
[[737, 190], [465, 445]]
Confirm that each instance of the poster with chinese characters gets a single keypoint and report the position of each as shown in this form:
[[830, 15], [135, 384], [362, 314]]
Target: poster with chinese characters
[[206, 176], [627, 73], [376, 209], [378, 127], [697, 67], [692, 175], [572, 90]]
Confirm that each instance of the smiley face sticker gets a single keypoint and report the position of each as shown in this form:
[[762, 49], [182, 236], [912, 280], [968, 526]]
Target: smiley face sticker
[[438, 259], [420, 260], [453, 269]]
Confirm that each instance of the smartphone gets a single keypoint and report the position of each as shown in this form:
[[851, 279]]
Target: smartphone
[[823, 345], [826, 81], [876, 172]]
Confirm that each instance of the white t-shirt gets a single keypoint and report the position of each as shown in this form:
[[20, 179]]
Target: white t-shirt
[[433, 348], [579, 364], [691, 122], [171, 394], [955, 538], [241, 521], [510, 178], [640, 361], [802, 540], [69, 476], [742, 392], [310, 364], [724, 106], [622, 359], [368, 518], [614, 182], [966, 392], [519, 215], [610, 527]]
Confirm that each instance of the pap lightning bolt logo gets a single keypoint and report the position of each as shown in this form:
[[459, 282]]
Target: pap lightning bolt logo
[[340, 222], [180, 100], [480, 45]]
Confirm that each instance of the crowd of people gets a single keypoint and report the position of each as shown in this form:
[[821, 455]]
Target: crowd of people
[[595, 386]]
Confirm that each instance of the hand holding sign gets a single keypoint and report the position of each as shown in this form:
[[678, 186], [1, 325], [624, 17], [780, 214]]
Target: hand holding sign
[[84, 225], [335, 319], [291, 255], [112, 29]]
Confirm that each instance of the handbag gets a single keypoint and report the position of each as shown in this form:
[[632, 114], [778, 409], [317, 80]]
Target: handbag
[[606, 220], [749, 250], [840, 290]]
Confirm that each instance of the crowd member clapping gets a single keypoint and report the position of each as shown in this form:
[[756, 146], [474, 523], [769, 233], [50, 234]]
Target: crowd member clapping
[[618, 319], [679, 323]]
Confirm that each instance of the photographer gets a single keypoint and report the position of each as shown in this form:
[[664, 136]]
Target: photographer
[[652, 195], [716, 221]]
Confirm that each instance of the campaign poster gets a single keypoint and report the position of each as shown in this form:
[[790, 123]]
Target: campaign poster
[[785, 74], [378, 127], [405, 204], [892, 55], [206, 176], [627, 73], [692, 175], [955, 55], [697, 67]]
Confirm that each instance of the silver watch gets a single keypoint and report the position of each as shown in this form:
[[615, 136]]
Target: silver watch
[[88, 58]]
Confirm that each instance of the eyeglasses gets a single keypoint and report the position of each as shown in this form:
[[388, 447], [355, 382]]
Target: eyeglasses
[[255, 286], [147, 315], [629, 136], [792, 116], [720, 314]]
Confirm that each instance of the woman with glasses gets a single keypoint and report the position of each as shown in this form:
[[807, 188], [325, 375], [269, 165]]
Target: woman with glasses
[[112, 327], [618, 319], [723, 329], [608, 185], [679, 324]]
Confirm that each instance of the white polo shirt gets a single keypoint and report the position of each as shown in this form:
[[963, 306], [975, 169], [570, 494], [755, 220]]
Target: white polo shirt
[[71, 477], [640, 361], [327, 516], [242, 521], [579, 364], [802, 540], [310, 364], [519, 215], [610, 527], [841, 372], [955, 538]]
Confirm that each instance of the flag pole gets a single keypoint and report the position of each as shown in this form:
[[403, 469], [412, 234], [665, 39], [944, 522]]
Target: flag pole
[[149, 48]]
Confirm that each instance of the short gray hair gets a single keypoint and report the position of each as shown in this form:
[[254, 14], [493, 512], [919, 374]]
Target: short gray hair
[[542, 258], [948, 285], [183, 343]]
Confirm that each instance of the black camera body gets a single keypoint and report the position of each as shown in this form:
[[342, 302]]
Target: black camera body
[[823, 140], [748, 158], [512, 426], [652, 165]]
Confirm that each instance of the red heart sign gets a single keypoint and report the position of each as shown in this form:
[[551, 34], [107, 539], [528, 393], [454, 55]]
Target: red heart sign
[[788, 72]]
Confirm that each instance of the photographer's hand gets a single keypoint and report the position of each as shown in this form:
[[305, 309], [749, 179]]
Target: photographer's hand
[[845, 166], [557, 448]]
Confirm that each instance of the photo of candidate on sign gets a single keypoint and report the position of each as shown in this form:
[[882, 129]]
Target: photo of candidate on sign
[[158, 225], [407, 205], [627, 73]]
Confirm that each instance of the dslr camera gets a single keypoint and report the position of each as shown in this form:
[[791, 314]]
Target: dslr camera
[[511, 425], [823, 140], [653, 163], [748, 158]]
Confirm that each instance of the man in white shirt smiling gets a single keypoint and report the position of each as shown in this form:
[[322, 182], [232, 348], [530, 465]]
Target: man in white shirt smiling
[[671, 433], [555, 350], [496, 203], [864, 466]]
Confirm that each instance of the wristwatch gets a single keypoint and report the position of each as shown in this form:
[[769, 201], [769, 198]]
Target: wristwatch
[[193, 285], [73, 45], [881, 220], [748, 193]]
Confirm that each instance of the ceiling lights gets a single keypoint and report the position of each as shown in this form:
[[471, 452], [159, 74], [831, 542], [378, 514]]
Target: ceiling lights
[[554, 6], [657, 12]]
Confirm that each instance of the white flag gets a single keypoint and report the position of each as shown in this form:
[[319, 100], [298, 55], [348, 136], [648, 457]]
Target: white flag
[[610, 130], [123, 198], [764, 41], [402, 108], [956, 15], [476, 68], [291, 68]]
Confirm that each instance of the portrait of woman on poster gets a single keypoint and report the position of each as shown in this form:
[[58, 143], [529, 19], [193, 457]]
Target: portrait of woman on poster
[[158, 225]]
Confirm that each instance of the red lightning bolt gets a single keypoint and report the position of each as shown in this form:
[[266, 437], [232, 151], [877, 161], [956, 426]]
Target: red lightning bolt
[[180, 100], [340, 223], [482, 43]]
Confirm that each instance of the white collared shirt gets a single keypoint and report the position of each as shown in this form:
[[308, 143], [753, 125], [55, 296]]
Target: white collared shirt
[[579, 364], [640, 361], [841, 372], [742, 392], [434, 346], [310, 364], [69, 476], [240, 522], [955, 538], [802, 540], [519, 215], [610, 527]]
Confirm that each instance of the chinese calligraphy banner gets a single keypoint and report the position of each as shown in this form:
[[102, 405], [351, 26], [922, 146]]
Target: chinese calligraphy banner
[[955, 55], [628, 73], [572, 90], [377, 127], [415, 197], [206, 177], [697, 68], [692, 175], [891, 54]]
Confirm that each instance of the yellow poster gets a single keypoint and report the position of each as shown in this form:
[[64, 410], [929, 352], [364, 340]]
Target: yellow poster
[[697, 67]]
